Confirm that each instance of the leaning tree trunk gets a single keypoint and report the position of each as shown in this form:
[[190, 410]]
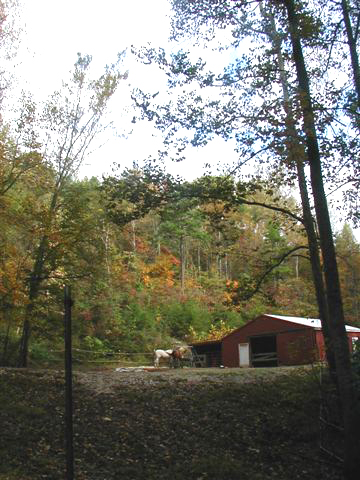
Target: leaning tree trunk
[[350, 408], [36, 278], [296, 155], [34, 288], [317, 271]]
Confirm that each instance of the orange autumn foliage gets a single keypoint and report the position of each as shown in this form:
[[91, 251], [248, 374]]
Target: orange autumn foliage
[[162, 271]]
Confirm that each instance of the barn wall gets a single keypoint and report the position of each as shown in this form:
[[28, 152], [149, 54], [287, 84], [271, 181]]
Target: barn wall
[[295, 343], [320, 342], [297, 347], [352, 336], [230, 344]]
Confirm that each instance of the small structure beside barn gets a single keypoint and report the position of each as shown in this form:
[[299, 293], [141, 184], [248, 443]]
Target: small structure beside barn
[[269, 341]]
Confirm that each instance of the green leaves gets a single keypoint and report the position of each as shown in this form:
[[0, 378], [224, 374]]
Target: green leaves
[[137, 192]]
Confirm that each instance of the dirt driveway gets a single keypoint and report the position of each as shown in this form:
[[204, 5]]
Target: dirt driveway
[[106, 381]]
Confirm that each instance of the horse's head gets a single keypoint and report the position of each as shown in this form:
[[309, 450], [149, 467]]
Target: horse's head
[[178, 352]]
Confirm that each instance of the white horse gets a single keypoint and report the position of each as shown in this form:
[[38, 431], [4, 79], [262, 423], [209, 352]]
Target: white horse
[[161, 354], [175, 356]]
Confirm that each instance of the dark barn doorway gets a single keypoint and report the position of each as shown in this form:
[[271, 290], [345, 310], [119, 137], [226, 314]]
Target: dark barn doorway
[[210, 352], [263, 351]]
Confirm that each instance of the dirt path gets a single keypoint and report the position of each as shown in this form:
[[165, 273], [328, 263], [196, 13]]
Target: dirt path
[[106, 381]]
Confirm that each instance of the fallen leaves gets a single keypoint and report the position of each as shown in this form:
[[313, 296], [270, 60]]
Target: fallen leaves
[[161, 425]]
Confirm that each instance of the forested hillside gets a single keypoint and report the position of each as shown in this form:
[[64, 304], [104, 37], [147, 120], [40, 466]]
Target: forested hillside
[[154, 259], [185, 270]]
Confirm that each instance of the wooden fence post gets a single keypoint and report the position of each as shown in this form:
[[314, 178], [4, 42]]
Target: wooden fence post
[[68, 387]]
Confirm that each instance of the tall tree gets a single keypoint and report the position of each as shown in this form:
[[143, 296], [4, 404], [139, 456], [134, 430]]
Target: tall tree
[[297, 156], [182, 220], [351, 414], [252, 119], [70, 121]]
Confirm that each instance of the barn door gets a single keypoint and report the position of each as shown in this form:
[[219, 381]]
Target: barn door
[[264, 351], [244, 357]]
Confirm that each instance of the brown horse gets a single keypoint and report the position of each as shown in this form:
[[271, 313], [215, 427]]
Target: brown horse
[[177, 356]]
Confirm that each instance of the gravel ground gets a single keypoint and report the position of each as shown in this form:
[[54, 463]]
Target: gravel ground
[[106, 381]]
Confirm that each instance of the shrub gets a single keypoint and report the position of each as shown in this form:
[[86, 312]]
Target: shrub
[[180, 316], [40, 352], [94, 344]]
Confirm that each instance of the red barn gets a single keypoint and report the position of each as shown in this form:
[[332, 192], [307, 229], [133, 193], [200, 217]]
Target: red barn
[[271, 340]]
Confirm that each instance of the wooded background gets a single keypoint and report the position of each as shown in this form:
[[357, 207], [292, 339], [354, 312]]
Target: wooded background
[[154, 259]]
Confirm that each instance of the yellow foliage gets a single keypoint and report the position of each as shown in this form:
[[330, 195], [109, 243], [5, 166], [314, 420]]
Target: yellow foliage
[[11, 282], [161, 270], [219, 331], [216, 332]]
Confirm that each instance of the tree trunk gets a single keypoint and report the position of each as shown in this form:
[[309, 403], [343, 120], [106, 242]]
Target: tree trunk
[[218, 257], [317, 272], [182, 263], [350, 409], [226, 266], [133, 231], [7, 317], [296, 156], [297, 267], [352, 47], [36, 278], [106, 241]]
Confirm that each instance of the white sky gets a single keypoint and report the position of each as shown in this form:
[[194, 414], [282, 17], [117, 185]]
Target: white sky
[[56, 30]]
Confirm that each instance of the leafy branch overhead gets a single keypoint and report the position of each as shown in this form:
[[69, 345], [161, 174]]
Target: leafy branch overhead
[[243, 102], [137, 192]]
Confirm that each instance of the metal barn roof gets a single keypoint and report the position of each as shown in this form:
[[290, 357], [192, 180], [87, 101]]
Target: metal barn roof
[[308, 322]]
